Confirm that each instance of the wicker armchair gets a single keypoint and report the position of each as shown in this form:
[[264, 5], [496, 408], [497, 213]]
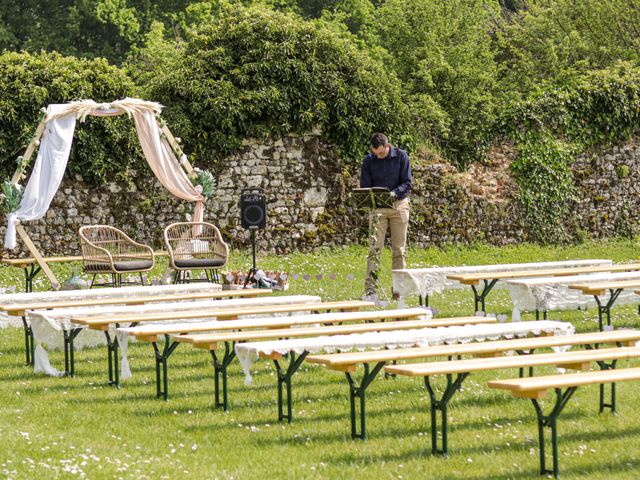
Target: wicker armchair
[[195, 246], [107, 250]]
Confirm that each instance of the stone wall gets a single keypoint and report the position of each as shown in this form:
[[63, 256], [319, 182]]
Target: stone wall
[[307, 186]]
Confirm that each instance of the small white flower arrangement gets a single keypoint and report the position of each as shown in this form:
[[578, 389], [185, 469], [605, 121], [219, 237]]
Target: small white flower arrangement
[[204, 182]]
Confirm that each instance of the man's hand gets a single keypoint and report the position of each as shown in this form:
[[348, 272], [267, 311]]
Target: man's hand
[[393, 195]]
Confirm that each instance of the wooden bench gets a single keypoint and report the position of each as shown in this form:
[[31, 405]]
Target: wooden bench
[[601, 288], [347, 362], [578, 360], [150, 333], [489, 279], [537, 388], [21, 309], [212, 341]]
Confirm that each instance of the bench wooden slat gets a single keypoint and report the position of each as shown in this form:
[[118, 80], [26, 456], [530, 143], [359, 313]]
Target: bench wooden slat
[[18, 309], [601, 287], [222, 312], [475, 278], [537, 387], [336, 360], [326, 330], [580, 359], [274, 322]]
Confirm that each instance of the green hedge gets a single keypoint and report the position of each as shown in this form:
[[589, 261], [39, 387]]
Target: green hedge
[[253, 72], [598, 109], [103, 148]]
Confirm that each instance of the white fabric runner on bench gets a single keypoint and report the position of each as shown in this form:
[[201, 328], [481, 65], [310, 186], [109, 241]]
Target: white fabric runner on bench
[[250, 351]]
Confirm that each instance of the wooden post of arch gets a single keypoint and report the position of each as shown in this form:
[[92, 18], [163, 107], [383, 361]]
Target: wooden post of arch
[[186, 166]]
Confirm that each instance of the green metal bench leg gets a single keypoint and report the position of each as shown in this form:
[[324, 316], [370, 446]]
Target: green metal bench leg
[[162, 378], [606, 308], [359, 391], [551, 421], [69, 351], [112, 355], [441, 405], [29, 345], [480, 298], [30, 273], [284, 382], [612, 404], [220, 369]]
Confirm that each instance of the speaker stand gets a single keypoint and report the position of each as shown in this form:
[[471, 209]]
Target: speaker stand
[[253, 270]]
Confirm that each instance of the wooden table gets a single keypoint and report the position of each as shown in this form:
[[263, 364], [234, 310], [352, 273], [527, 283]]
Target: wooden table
[[225, 318], [489, 279], [600, 288], [402, 319], [32, 269]]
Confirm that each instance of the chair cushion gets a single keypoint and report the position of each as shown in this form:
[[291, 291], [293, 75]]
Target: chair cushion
[[199, 263], [97, 267], [133, 265]]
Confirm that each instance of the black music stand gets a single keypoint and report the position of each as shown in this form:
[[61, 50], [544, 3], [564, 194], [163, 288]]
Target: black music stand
[[369, 199]]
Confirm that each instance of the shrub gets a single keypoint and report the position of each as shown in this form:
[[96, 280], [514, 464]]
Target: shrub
[[599, 108], [253, 72], [103, 147]]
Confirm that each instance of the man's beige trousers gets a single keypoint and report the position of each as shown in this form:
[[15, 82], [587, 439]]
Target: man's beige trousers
[[397, 220]]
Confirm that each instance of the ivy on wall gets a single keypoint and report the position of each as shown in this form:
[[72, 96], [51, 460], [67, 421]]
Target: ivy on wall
[[597, 110]]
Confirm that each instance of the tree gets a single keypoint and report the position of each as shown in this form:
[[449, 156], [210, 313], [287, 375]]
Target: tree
[[442, 52]]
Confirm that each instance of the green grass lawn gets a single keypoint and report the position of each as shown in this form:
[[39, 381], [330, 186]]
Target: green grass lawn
[[82, 428]]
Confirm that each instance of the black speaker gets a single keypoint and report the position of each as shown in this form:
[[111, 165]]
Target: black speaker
[[253, 210]]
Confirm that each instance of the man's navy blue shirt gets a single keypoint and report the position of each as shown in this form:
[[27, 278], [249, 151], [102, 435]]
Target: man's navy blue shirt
[[393, 172]]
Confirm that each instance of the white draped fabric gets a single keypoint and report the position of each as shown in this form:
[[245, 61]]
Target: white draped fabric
[[48, 170], [553, 293], [424, 337], [427, 281], [55, 146]]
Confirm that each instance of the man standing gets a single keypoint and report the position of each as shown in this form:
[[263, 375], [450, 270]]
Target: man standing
[[386, 166]]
